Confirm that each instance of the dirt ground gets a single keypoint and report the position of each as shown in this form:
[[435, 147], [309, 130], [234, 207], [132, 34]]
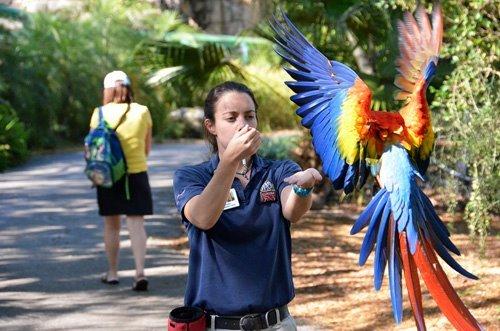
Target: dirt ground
[[334, 293]]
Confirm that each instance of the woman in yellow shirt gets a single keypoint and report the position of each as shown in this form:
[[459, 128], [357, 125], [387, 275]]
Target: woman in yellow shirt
[[135, 135]]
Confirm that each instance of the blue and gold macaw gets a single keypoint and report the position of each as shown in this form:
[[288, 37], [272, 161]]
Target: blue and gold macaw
[[352, 140]]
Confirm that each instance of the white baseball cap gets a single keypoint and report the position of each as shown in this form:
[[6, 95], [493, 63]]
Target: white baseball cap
[[115, 76]]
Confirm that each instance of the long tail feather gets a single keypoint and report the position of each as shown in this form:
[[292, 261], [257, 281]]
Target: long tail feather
[[395, 273], [412, 282], [380, 212], [441, 290], [365, 217], [381, 250], [409, 215]]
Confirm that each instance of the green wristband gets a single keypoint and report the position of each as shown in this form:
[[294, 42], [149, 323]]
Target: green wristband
[[301, 192]]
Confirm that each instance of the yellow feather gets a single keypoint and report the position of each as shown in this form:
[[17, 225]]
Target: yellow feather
[[348, 142], [427, 144]]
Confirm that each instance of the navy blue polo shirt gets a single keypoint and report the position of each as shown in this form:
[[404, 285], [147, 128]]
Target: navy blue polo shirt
[[243, 263]]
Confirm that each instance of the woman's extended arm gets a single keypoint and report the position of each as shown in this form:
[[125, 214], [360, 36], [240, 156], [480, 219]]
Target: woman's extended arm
[[204, 210], [294, 206]]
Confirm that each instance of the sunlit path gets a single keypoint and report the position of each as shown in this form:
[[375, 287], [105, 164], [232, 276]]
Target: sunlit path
[[51, 249]]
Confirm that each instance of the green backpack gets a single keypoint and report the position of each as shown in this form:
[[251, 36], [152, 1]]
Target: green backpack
[[105, 160]]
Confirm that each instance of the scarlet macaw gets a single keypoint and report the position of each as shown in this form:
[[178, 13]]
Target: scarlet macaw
[[351, 139]]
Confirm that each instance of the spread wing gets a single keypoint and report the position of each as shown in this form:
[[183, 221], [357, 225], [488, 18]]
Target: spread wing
[[334, 104], [419, 45]]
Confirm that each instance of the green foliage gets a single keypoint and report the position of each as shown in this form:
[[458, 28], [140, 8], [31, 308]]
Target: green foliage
[[276, 111], [13, 136], [278, 148], [52, 75], [187, 66], [466, 107], [52, 68]]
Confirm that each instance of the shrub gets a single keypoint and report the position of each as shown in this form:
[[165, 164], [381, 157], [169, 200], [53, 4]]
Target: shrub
[[278, 148], [466, 108], [13, 138]]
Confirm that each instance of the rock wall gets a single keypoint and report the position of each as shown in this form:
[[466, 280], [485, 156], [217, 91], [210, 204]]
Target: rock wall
[[221, 16], [213, 16]]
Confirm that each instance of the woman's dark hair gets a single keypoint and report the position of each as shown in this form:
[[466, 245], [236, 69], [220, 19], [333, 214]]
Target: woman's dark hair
[[119, 94], [211, 101]]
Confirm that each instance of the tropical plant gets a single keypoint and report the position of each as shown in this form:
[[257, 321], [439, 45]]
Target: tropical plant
[[466, 108], [54, 64], [13, 136], [13, 148], [186, 65], [280, 147]]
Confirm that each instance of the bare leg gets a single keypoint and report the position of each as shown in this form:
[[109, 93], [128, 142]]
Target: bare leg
[[135, 225], [112, 243]]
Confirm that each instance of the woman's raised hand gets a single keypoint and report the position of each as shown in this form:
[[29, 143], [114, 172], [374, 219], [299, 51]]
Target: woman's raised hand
[[245, 142]]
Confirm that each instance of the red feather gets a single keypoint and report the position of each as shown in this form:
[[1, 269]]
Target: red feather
[[441, 290], [412, 282]]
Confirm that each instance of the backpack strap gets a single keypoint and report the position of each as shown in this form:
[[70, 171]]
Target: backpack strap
[[127, 190], [101, 116], [123, 117]]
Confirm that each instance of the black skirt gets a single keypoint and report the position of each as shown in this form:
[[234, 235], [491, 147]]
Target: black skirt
[[113, 201]]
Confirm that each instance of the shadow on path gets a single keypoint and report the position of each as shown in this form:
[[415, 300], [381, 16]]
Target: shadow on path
[[51, 249]]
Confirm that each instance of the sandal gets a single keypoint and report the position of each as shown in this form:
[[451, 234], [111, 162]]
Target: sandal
[[140, 285], [105, 280]]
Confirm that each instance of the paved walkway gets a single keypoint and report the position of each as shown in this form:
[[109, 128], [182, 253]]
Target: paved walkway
[[52, 254], [51, 249]]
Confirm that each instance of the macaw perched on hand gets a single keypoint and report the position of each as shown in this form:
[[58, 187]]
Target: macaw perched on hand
[[353, 140]]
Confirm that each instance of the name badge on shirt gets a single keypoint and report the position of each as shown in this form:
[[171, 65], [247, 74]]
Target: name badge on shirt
[[232, 200]]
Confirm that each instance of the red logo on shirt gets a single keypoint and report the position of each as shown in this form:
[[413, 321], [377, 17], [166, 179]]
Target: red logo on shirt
[[267, 192]]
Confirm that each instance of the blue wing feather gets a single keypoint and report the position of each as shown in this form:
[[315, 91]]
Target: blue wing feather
[[309, 115], [316, 80], [380, 251], [337, 171], [364, 217], [363, 173], [432, 213], [395, 276], [373, 228], [351, 177], [337, 178], [343, 71], [301, 75], [293, 62]]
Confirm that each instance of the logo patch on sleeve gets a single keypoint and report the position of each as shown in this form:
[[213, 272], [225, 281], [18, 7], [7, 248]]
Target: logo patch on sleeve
[[267, 192]]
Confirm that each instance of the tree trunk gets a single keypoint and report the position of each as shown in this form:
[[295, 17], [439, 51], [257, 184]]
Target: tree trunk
[[219, 16], [362, 60]]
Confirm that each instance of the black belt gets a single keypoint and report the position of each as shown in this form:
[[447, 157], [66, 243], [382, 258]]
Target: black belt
[[250, 321]]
